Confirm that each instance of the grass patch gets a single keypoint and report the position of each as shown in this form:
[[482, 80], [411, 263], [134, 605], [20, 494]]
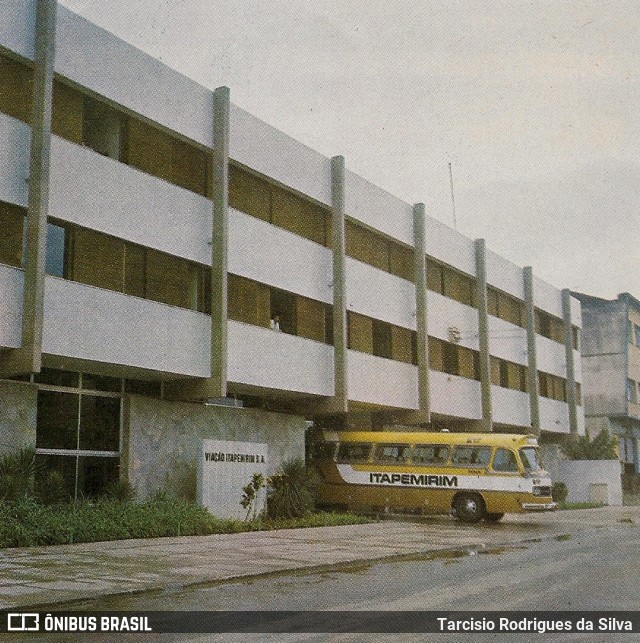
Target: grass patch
[[579, 505], [28, 523]]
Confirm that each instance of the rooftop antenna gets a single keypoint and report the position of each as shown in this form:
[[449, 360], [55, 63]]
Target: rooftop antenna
[[453, 201]]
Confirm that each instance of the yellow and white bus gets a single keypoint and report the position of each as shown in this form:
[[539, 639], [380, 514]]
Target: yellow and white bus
[[474, 476]]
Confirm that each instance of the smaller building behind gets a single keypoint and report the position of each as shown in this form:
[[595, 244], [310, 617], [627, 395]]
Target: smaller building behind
[[611, 374]]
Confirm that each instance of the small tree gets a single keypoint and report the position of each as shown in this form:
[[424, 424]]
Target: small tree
[[291, 492], [250, 495], [602, 447]]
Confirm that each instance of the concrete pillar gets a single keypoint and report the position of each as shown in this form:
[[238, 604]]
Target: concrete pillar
[[215, 386], [568, 346], [28, 358], [341, 395], [338, 405], [220, 235], [483, 334], [532, 360], [422, 337]]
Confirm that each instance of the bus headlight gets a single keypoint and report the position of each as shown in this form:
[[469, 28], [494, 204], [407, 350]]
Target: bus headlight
[[541, 491]]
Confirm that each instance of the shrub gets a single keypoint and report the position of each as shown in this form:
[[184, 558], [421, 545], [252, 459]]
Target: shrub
[[291, 493], [26, 522], [50, 488], [17, 473], [559, 492], [121, 490], [602, 447]]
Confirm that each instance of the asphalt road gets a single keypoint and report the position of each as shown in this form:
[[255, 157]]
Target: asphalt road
[[586, 568]]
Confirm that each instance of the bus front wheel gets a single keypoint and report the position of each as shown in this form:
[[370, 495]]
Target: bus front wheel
[[469, 507]]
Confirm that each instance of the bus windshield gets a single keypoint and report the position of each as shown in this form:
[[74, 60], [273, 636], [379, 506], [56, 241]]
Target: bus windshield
[[530, 460]]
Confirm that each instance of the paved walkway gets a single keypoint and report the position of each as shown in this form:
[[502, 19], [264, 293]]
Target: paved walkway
[[38, 576]]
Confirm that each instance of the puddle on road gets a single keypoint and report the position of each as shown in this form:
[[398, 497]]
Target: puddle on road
[[496, 551], [361, 568]]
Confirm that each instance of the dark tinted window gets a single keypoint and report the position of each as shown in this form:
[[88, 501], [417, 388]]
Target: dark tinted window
[[392, 453], [472, 456], [430, 454], [353, 452]]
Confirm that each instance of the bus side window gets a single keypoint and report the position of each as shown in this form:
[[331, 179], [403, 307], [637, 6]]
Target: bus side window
[[391, 453], [472, 456], [353, 452], [430, 454], [505, 460], [323, 451]]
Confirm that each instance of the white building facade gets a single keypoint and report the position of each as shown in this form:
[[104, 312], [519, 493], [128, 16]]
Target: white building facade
[[152, 236]]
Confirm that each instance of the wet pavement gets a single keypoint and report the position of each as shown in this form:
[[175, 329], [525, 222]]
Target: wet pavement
[[42, 576]]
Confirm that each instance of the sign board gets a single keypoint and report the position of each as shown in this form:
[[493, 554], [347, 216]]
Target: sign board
[[224, 469]]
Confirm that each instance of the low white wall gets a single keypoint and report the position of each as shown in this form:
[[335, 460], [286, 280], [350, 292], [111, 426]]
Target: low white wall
[[591, 480]]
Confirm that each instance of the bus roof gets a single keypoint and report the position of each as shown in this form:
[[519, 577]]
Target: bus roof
[[431, 437]]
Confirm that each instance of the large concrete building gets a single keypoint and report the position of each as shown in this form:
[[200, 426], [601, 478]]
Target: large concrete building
[[611, 368], [154, 236]]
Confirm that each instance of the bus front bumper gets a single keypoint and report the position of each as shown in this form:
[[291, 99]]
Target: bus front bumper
[[537, 506]]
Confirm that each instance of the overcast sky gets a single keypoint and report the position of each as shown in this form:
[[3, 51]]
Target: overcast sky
[[535, 104]]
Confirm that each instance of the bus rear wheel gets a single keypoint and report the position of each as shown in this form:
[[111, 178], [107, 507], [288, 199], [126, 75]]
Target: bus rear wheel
[[469, 507], [493, 517]]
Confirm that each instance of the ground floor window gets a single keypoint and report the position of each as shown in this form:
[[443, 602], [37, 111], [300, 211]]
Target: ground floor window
[[78, 441], [76, 476]]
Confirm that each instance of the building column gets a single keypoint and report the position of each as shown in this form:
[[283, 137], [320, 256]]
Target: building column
[[532, 359], [340, 354], [215, 387], [568, 346], [483, 334], [338, 405], [422, 333], [28, 358], [421, 416]]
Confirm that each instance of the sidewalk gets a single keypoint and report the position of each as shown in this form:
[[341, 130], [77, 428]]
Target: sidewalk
[[39, 576]]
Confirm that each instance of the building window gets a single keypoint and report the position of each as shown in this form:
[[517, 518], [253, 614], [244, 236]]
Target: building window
[[12, 223], [549, 326], [78, 439], [381, 339], [97, 259], [447, 357], [575, 331], [552, 386], [254, 303], [376, 337], [112, 132], [57, 249], [16, 88], [103, 129], [636, 334], [506, 307], [257, 197], [508, 374], [375, 250], [632, 391], [450, 283]]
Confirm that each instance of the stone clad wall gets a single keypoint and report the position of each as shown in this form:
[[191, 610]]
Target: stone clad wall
[[161, 439], [18, 407]]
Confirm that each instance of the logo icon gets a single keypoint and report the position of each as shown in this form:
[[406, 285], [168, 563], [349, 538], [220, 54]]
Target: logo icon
[[23, 622]]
